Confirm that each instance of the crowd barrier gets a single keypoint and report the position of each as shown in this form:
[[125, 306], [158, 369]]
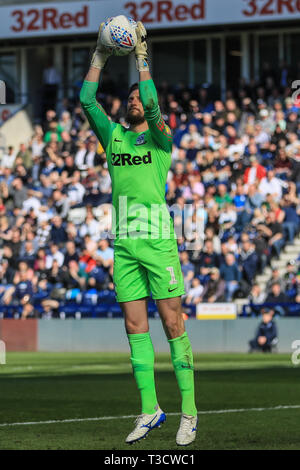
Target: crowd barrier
[[108, 334]]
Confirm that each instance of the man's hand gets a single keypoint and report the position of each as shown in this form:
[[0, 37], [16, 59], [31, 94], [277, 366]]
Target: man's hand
[[101, 53], [140, 51], [261, 340]]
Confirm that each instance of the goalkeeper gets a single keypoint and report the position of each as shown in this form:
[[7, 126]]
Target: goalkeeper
[[145, 250]]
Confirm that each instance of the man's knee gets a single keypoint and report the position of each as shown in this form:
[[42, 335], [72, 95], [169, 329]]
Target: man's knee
[[171, 315], [174, 326]]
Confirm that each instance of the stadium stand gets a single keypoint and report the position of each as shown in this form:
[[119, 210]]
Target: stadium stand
[[235, 163]]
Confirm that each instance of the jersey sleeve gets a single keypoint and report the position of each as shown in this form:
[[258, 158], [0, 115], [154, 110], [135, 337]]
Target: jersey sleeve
[[160, 132], [97, 117]]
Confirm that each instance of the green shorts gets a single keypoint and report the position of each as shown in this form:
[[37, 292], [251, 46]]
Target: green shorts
[[144, 266]]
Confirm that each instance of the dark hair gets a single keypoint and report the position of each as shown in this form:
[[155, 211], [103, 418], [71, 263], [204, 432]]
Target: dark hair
[[133, 87]]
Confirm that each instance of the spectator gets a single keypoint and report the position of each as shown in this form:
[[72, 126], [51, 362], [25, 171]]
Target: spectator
[[275, 278], [290, 280], [90, 227], [58, 234], [231, 274], [55, 254], [291, 221], [187, 268], [271, 185], [208, 259], [194, 293], [222, 197], [273, 232], [249, 261], [71, 253], [255, 172], [214, 289], [266, 335], [256, 295], [276, 296], [8, 158], [25, 156]]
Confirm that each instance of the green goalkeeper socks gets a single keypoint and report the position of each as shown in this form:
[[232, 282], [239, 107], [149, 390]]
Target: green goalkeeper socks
[[142, 360], [182, 359]]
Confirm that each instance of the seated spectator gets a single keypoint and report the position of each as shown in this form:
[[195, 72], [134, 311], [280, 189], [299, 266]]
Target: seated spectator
[[231, 274], [75, 191], [222, 197], [105, 254], [227, 219], [277, 296], [58, 234], [214, 289], [282, 164], [74, 276], [266, 335], [22, 289], [54, 254], [273, 232], [25, 155], [187, 268], [208, 259], [291, 220], [290, 280], [194, 293], [28, 311], [6, 273], [271, 185], [8, 159], [50, 308], [211, 235], [254, 199], [90, 227], [255, 172], [191, 136], [232, 244], [275, 278], [71, 253], [256, 296], [28, 254], [249, 261], [297, 298]]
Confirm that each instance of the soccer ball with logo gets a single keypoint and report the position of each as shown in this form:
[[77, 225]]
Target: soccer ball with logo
[[118, 34]]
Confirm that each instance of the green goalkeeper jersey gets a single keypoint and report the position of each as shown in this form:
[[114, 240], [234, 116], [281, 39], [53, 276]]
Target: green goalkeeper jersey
[[138, 164]]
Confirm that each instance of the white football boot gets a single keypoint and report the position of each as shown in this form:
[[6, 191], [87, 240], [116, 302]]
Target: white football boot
[[144, 424], [187, 430]]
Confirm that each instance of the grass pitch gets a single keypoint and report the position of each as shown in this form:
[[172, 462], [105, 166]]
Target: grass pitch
[[89, 400]]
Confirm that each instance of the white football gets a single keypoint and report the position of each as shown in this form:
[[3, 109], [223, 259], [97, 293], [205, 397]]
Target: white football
[[118, 34]]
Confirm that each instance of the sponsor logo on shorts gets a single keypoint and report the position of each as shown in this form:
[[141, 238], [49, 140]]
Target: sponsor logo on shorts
[[122, 159], [171, 290]]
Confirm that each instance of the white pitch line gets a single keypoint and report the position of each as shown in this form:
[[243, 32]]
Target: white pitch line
[[108, 418]]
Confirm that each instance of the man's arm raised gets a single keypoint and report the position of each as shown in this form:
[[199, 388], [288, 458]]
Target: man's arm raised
[[158, 128], [94, 112]]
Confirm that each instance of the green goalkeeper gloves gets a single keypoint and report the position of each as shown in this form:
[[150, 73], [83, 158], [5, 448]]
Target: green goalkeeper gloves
[[101, 53], [141, 53]]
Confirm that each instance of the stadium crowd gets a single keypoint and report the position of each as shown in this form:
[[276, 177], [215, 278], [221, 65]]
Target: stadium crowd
[[235, 163]]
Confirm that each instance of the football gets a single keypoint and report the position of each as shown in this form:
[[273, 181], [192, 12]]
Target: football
[[118, 34]]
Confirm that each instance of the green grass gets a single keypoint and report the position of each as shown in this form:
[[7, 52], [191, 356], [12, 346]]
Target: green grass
[[54, 386]]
